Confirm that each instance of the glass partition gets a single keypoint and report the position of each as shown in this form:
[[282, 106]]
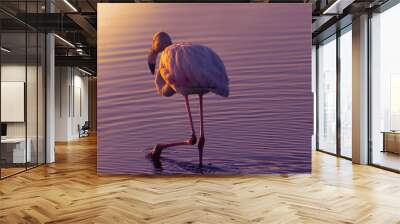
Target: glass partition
[[15, 151], [22, 88]]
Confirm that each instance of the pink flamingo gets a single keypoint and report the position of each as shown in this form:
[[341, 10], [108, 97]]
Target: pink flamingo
[[187, 69]]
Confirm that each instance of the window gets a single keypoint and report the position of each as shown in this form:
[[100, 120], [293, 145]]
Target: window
[[346, 92], [385, 89], [327, 95], [334, 138]]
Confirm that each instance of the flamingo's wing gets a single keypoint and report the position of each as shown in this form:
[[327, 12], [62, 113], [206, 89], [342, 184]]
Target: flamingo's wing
[[193, 69], [162, 85]]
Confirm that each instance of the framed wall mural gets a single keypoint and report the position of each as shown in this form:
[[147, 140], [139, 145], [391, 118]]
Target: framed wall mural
[[204, 88]]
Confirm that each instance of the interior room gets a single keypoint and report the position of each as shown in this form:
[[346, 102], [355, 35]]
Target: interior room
[[385, 89], [68, 119]]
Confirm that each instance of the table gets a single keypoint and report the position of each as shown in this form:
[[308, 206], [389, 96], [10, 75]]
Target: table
[[391, 141], [19, 154]]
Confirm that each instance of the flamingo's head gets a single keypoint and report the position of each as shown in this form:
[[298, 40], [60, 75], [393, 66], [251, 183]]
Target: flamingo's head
[[161, 40]]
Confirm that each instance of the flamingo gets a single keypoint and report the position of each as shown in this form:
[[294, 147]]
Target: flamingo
[[187, 69]]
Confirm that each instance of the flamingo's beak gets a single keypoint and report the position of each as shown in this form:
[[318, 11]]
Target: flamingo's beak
[[151, 60], [152, 67]]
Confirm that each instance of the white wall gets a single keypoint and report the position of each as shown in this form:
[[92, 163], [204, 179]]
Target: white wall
[[71, 102], [62, 82], [17, 73], [13, 72], [13, 101], [81, 103]]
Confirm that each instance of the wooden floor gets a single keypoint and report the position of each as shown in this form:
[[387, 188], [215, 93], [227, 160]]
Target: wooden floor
[[5, 172], [70, 191], [387, 159]]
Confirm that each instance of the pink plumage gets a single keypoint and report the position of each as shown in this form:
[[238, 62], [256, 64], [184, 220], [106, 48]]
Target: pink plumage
[[191, 69]]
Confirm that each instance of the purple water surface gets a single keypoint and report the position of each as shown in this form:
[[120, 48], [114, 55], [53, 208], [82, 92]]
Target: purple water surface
[[265, 125]]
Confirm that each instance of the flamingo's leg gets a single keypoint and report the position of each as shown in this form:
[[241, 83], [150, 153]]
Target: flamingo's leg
[[156, 152], [202, 139], [193, 139]]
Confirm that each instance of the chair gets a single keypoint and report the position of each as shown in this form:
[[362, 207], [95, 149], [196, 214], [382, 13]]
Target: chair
[[84, 130]]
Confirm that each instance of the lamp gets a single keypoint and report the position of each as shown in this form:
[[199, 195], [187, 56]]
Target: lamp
[[70, 5], [64, 40], [5, 50]]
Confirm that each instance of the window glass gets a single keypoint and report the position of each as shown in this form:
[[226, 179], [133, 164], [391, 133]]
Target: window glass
[[385, 88], [346, 93], [327, 95]]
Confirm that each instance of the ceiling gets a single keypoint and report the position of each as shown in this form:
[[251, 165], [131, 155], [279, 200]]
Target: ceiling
[[75, 22]]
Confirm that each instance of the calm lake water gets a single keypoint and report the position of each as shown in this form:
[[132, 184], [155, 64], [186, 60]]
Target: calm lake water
[[264, 126]]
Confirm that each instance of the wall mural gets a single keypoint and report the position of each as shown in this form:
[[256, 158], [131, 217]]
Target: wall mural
[[204, 88]]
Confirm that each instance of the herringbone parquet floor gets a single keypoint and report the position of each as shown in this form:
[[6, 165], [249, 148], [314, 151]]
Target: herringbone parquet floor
[[70, 191]]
